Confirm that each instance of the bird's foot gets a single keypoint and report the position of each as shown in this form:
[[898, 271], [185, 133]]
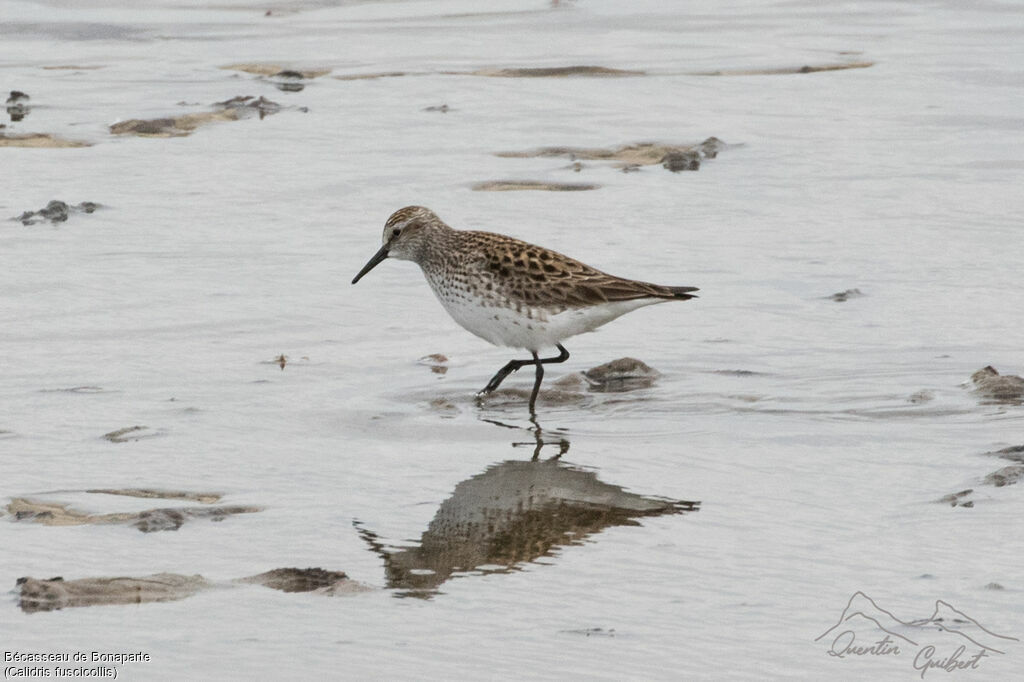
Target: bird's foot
[[493, 384]]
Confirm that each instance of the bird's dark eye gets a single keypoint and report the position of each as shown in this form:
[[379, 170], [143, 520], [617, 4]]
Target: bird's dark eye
[[396, 231]]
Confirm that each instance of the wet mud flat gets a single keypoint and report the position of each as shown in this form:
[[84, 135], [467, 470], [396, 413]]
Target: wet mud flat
[[48, 510], [234, 109], [787, 70], [54, 594], [844, 296], [17, 105], [283, 77], [532, 185], [39, 141], [50, 594], [622, 378], [56, 211], [1007, 475], [990, 388], [278, 70], [513, 513], [594, 71], [814, 426], [130, 434], [628, 158], [995, 388], [636, 154]]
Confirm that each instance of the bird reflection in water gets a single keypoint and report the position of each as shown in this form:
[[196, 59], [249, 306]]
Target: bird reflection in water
[[512, 513], [539, 440]]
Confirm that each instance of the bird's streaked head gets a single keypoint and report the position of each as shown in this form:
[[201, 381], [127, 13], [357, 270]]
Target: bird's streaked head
[[405, 234]]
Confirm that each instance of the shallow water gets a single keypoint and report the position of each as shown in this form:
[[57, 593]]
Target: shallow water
[[788, 416]]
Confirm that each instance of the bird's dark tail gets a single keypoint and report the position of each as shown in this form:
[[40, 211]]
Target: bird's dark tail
[[683, 293]]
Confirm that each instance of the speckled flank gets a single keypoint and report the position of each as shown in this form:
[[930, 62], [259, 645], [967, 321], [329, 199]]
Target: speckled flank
[[510, 292]]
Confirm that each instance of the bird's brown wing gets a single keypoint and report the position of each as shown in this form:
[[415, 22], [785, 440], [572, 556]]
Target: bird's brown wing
[[542, 277]]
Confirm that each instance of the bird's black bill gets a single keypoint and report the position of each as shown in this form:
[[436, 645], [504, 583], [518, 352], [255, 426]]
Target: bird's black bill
[[377, 258]]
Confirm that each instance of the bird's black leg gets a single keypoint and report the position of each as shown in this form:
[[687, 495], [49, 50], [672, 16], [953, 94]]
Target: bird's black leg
[[496, 380], [514, 365], [536, 382]]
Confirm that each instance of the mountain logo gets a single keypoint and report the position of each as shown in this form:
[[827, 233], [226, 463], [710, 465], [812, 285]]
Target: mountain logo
[[947, 640]]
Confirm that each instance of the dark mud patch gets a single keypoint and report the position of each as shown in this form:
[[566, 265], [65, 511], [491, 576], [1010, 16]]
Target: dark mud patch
[[921, 397], [316, 580], [587, 71], [77, 389], [150, 493], [570, 389], [1002, 477], [672, 156], [1008, 475], [17, 105], [618, 376], [283, 361], [277, 70], [54, 513], [1014, 453], [289, 81], [234, 109], [520, 185], [445, 408], [39, 141], [785, 70], [738, 373], [284, 78], [843, 296], [993, 387], [554, 72], [513, 513], [681, 161], [958, 499], [177, 126], [380, 74], [56, 211], [508, 72], [592, 632], [129, 434], [155, 520], [437, 362], [440, 108]]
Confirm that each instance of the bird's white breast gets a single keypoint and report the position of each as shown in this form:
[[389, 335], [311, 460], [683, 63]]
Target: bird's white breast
[[500, 322]]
